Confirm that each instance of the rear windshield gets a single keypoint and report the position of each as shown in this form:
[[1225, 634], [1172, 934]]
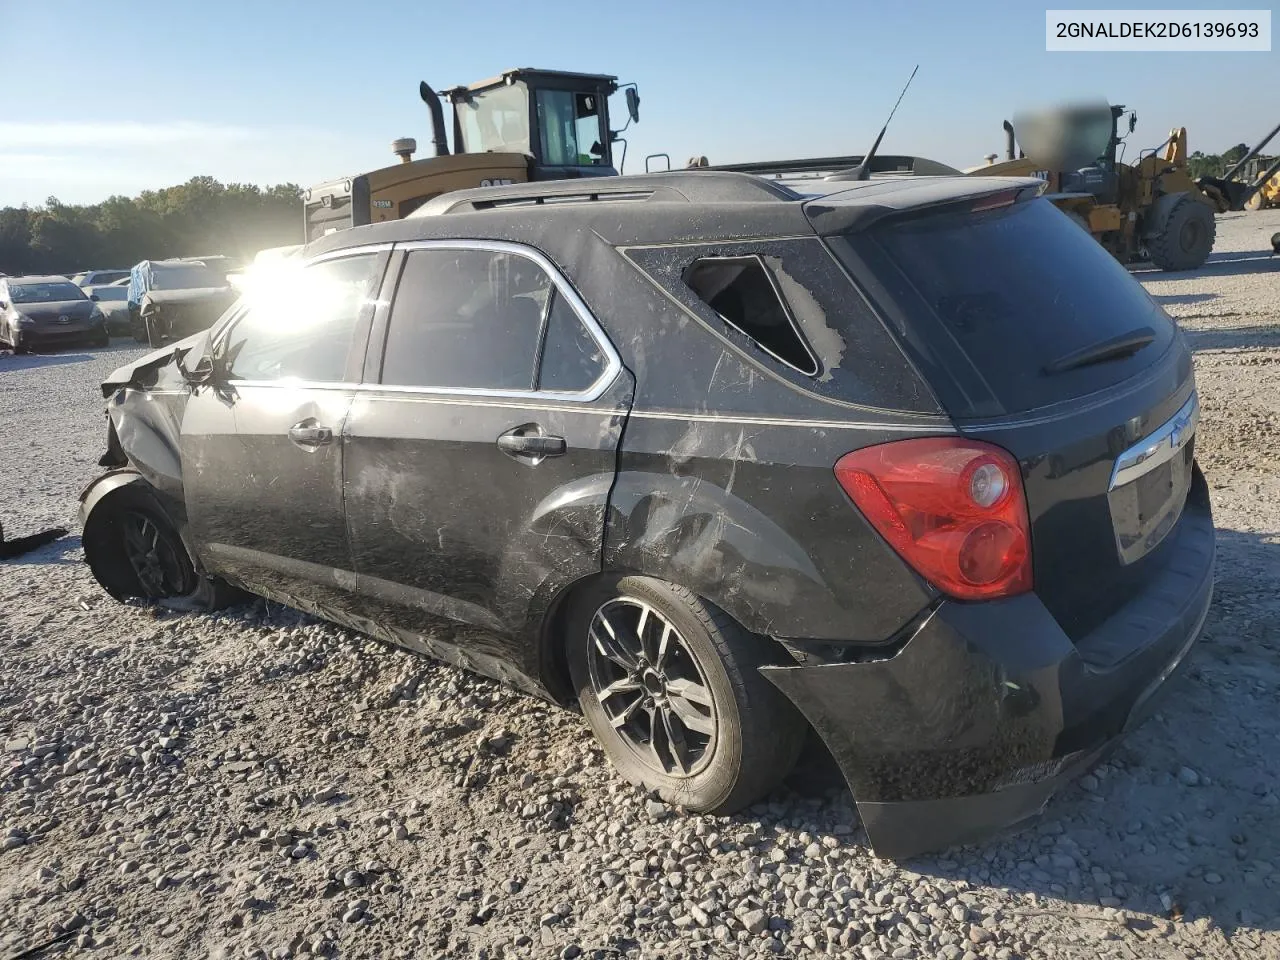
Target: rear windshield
[[1000, 296]]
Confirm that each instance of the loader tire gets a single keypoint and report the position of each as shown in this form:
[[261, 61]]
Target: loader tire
[[1186, 240], [1256, 202]]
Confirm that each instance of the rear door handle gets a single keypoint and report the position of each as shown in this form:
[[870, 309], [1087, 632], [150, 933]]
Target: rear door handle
[[530, 444], [309, 434]]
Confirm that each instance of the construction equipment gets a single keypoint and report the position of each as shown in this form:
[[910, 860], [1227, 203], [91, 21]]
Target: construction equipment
[[1149, 209], [525, 124], [1265, 172], [1252, 184]]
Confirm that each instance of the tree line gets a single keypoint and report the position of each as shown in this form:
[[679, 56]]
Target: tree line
[[1214, 164], [201, 217]]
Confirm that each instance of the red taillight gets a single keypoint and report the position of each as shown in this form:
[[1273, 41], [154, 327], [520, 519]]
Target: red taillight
[[953, 509]]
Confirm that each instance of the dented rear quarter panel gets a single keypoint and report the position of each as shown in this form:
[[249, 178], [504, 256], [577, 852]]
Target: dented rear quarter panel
[[725, 469]]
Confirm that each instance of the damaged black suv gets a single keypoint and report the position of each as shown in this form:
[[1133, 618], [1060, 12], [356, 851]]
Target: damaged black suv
[[908, 461]]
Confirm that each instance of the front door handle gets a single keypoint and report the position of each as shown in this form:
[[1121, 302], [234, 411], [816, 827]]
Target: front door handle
[[530, 444], [308, 434]]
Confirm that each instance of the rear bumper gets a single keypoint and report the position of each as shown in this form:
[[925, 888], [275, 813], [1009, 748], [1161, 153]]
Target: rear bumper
[[988, 709]]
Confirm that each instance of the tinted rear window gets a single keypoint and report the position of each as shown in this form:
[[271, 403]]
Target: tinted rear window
[[999, 296]]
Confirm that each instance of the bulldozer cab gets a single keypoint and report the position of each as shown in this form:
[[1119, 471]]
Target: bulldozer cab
[[524, 124], [559, 120]]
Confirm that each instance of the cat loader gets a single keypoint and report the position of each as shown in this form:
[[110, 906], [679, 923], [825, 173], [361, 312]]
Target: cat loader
[[1147, 210], [525, 124]]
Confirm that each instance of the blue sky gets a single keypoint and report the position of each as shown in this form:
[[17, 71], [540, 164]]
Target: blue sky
[[153, 93]]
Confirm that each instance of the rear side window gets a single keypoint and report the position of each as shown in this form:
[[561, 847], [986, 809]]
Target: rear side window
[[1009, 293], [466, 318], [741, 292], [571, 359], [788, 306]]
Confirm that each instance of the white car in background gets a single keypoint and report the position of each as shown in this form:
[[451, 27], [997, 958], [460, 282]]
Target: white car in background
[[113, 300], [98, 278]]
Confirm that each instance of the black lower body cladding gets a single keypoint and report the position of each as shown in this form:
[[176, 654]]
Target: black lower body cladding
[[989, 708]]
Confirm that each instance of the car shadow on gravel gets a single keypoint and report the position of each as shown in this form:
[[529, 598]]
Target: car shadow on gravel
[[1218, 265], [33, 361], [1181, 824], [1256, 336], [1184, 299]]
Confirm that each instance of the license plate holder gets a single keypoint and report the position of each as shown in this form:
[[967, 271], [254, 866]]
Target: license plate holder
[[1150, 483]]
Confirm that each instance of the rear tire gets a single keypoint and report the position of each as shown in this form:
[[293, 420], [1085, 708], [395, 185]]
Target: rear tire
[[1186, 239], [705, 731], [136, 551]]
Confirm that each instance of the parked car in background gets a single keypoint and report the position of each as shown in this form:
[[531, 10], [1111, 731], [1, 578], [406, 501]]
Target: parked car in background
[[48, 310], [911, 462], [93, 278], [171, 299], [113, 300]]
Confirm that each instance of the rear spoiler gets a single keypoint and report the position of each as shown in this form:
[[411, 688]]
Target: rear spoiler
[[903, 164], [853, 210]]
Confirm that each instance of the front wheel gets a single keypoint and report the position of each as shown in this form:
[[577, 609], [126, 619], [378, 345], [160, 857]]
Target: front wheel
[[671, 688], [136, 551]]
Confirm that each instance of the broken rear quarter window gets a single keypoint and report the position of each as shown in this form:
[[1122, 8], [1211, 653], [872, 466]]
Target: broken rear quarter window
[[741, 292]]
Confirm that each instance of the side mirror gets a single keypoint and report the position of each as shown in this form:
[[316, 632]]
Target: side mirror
[[202, 372], [93, 297], [633, 104], [1133, 121]]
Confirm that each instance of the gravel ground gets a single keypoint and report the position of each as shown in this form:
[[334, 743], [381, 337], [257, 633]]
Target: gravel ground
[[259, 784]]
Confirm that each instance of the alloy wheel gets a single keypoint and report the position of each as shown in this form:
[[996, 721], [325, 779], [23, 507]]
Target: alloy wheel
[[651, 687], [158, 561]]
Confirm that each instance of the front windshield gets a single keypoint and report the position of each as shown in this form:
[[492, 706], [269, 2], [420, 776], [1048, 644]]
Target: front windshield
[[45, 292], [496, 121], [186, 278]]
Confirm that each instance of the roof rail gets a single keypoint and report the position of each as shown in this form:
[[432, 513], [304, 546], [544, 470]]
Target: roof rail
[[679, 186], [882, 163]]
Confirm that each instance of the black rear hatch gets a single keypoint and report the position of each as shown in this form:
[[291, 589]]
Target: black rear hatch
[[1034, 338]]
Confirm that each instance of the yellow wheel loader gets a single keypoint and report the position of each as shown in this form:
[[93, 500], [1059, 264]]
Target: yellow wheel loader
[[525, 124], [1252, 184], [1149, 209]]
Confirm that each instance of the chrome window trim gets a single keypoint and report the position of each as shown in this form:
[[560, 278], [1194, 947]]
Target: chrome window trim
[[613, 364], [1158, 447]]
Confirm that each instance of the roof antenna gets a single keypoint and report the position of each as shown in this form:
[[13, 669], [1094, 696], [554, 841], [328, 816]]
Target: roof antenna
[[863, 170]]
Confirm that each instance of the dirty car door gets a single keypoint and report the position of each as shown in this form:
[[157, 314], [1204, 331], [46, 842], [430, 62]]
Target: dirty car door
[[479, 462], [262, 453]]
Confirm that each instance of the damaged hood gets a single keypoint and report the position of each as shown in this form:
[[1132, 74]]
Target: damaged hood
[[141, 373], [166, 298]]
